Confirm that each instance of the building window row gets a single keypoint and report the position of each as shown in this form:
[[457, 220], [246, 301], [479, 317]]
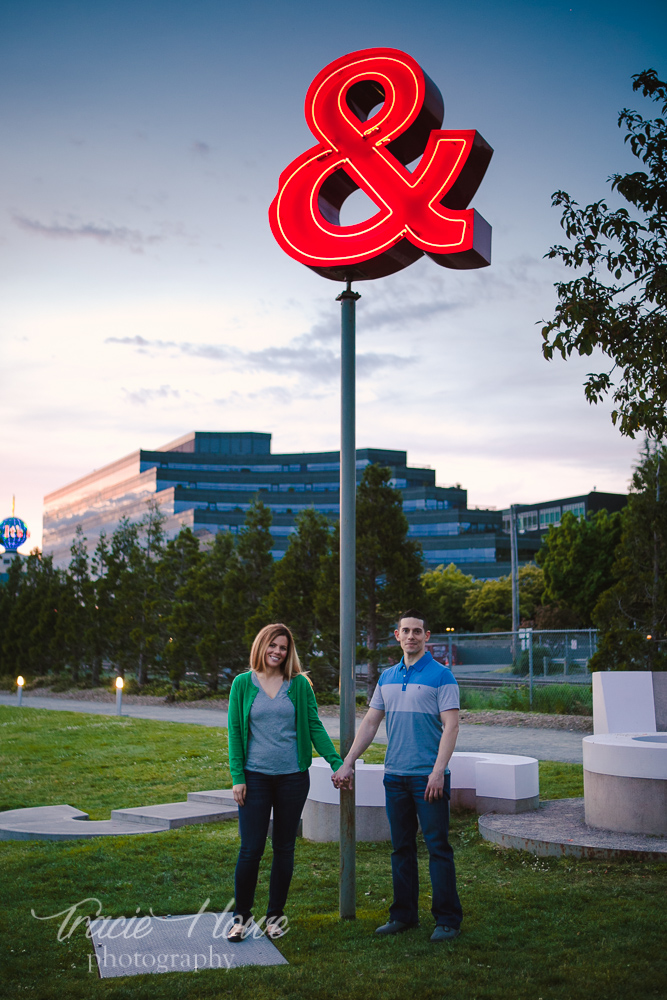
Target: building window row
[[549, 516], [225, 508], [424, 530], [427, 504], [528, 521], [578, 509], [201, 467], [451, 528], [331, 487], [361, 463], [254, 487], [460, 555]]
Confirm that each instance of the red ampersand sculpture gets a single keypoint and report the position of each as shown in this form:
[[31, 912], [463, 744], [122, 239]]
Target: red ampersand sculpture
[[420, 211]]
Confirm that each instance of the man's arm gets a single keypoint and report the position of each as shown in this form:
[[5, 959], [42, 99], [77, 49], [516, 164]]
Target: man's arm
[[435, 787], [363, 739]]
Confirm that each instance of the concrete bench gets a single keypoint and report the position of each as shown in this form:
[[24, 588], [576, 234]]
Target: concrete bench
[[485, 782], [625, 782], [625, 762], [320, 817], [494, 782]]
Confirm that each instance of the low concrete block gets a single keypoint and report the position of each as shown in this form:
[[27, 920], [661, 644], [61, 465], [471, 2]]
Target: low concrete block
[[175, 814], [369, 789], [494, 782], [321, 822], [510, 807], [463, 799], [219, 796], [63, 822]]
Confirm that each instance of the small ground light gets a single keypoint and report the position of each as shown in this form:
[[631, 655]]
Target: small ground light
[[119, 694], [20, 681], [649, 636]]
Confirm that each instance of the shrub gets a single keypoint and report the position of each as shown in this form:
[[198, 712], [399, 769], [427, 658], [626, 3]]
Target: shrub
[[552, 699], [521, 665]]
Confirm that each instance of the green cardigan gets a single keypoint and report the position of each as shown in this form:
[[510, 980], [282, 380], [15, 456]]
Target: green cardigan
[[309, 728]]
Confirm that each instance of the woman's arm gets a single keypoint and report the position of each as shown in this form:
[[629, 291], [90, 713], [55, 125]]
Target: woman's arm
[[235, 734], [318, 734]]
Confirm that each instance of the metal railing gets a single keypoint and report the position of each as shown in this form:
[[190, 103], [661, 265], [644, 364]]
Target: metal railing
[[528, 656], [542, 670]]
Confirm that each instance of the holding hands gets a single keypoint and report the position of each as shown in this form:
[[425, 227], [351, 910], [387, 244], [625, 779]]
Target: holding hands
[[344, 776]]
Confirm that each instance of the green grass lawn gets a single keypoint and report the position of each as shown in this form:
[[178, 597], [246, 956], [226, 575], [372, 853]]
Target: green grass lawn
[[533, 928]]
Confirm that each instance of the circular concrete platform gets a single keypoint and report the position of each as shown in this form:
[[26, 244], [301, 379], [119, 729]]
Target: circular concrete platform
[[625, 782], [558, 829]]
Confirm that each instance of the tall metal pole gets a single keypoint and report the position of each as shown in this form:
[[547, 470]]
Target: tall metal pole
[[530, 667], [348, 497], [514, 556]]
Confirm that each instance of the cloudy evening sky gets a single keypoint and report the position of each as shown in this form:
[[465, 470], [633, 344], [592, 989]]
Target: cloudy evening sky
[[143, 295]]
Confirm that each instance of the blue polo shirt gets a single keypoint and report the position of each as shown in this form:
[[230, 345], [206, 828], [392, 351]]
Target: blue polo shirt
[[413, 698]]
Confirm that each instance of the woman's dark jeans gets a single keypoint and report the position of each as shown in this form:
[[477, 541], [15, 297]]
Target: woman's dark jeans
[[286, 794]]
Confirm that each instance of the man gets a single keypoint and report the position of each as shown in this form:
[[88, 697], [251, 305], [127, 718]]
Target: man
[[421, 700]]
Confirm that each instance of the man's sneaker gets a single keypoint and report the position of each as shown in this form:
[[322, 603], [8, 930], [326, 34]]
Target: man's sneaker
[[444, 933], [393, 927]]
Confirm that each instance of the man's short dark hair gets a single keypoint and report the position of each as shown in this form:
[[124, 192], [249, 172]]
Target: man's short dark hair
[[412, 613]]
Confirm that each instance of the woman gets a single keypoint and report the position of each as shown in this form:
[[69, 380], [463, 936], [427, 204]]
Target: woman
[[272, 725]]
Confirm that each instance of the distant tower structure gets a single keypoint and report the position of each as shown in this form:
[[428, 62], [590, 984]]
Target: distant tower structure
[[13, 531]]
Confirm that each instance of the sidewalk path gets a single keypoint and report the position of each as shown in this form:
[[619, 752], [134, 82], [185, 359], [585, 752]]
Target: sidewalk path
[[159, 713], [545, 744]]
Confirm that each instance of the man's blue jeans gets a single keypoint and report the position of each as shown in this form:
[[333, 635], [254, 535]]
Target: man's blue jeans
[[404, 795], [286, 794]]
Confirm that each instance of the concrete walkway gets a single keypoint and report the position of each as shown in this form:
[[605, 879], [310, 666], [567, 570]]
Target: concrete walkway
[[160, 713], [545, 744]]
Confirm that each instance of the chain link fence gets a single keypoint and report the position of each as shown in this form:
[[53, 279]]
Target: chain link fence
[[530, 669]]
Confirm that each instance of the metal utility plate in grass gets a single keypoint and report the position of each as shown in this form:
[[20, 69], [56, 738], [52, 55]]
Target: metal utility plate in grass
[[189, 943]]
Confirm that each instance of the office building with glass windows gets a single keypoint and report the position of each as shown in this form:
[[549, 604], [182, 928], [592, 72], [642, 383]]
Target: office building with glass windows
[[534, 520], [207, 481]]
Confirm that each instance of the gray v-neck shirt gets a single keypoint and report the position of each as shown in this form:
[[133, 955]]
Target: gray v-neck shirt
[[272, 732]]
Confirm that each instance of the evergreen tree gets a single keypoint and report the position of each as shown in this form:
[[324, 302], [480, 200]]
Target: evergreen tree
[[146, 634], [31, 645], [247, 583], [119, 592], [9, 597], [100, 603], [389, 565], [293, 594], [326, 608], [72, 623], [632, 614], [176, 617], [204, 605]]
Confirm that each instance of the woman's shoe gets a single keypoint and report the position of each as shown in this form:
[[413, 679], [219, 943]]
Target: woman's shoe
[[238, 931], [274, 929]]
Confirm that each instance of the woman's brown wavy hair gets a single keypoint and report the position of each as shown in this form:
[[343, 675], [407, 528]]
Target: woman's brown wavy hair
[[290, 665]]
